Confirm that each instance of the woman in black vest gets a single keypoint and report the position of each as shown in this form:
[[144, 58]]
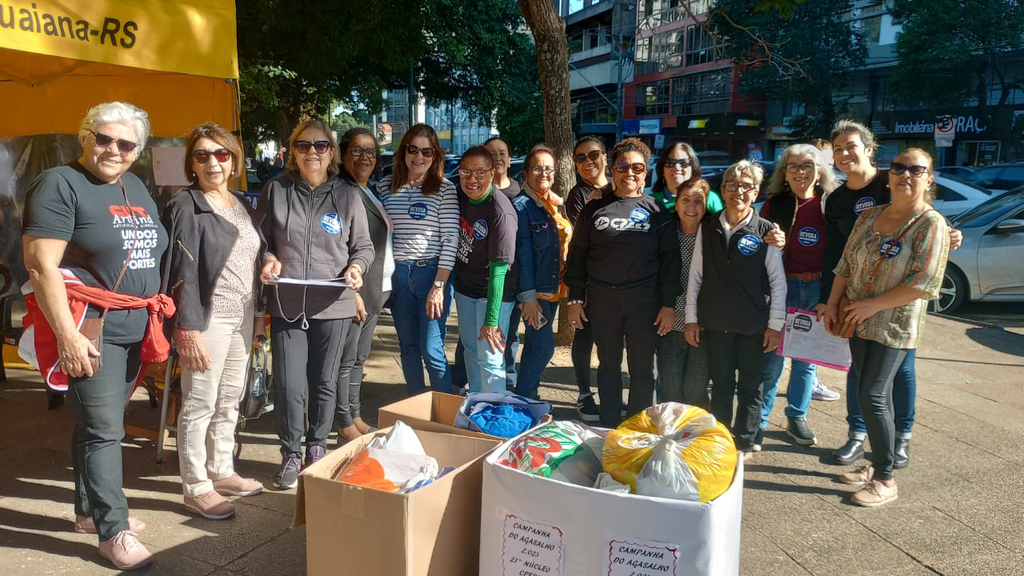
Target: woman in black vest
[[739, 298], [623, 276]]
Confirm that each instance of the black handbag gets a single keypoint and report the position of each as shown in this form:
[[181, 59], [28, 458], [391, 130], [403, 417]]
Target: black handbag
[[258, 396]]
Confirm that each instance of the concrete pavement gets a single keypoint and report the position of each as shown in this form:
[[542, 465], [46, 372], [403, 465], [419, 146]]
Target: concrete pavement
[[959, 510]]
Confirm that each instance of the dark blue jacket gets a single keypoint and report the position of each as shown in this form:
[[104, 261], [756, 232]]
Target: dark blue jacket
[[538, 251]]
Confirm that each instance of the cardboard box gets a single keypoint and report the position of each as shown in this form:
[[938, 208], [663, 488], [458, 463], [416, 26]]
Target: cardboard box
[[433, 412], [533, 525], [351, 530]]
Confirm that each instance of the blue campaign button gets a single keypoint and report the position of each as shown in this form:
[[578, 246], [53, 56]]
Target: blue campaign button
[[749, 244], [863, 204], [890, 249], [331, 223], [639, 215], [808, 236], [480, 229], [418, 211]]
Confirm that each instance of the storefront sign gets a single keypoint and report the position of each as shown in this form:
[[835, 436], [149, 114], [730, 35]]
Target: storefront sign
[[945, 131], [698, 123], [963, 124], [650, 126], [748, 122]]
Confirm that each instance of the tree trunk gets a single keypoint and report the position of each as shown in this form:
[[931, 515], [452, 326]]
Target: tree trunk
[[553, 61]]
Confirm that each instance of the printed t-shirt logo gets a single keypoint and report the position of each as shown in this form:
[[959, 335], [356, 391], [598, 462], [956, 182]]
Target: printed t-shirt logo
[[808, 236], [418, 211], [749, 244], [802, 322], [331, 223], [639, 215], [480, 229], [890, 249], [863, 204]]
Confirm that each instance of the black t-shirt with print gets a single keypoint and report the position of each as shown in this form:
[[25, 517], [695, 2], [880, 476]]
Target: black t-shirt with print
[[512, 190], [69, 203], [487, 233], [842, 208]]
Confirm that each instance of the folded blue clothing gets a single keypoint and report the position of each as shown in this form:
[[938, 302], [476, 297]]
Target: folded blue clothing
[[504, 420]]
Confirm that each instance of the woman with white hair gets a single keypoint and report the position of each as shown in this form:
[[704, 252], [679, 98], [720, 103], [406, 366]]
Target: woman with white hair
[[795, 195], [736, 293], [93, 246]]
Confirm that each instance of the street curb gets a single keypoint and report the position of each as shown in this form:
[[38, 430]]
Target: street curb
[[978, 323]]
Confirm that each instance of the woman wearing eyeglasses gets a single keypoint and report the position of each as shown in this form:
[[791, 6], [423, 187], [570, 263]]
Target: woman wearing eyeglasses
[[93, 243], [485, 283], [316, 230], [424, 207], [591, 161], [677, 164], [358, 159], [623, 277], [217, 250], [736, 295], [794, 203], [892, 265]]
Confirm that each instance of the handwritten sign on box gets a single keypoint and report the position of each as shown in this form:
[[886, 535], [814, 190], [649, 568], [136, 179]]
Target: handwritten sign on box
[[531, 548]]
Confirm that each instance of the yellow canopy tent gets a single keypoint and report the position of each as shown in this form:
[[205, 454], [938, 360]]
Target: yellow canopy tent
[[176, 59]]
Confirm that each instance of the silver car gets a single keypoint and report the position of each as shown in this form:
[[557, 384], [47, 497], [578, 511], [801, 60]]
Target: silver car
[[989, 265], [954, 195]]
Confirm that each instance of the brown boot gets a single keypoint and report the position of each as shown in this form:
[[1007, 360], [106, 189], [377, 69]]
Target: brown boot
[[347, 434]]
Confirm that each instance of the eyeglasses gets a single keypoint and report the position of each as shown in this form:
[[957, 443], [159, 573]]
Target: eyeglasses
[[203, 156], [357, 152], [593, 155], [899, 169], [681, 162], [413, 150], [477, 174], [123, 146], [635, 167], [541, 170], [742, 187], [320, 146], [805, 167]]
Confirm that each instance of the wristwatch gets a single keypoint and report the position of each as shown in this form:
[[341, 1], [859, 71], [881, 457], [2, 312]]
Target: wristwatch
[[438, 283]]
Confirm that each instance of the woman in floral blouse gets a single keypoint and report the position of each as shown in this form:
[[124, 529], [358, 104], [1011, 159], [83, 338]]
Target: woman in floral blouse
[[891, 266]]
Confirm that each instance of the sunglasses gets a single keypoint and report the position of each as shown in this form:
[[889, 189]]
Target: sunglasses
[[539, 170], [203, 156], [681, 162], [593, 155], [357, 152], [321, 146], [413, 150], [899, 169], [478, 174], [123, 146], [635, 167]]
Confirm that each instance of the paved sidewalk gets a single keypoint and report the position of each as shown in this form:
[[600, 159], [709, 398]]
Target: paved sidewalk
[[959, 510]]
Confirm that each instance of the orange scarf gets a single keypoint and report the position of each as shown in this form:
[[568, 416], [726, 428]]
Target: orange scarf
[[553, 206]]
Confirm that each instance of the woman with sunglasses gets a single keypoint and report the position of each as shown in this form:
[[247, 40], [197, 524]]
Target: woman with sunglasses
[[736, 302], [892, 265], [542, 244], [591, 161], [358, 159], [217, 250], [795, 195], [93, 240], [424, 207], [316, 230], [623, 276], [485, 283], [677, 164]]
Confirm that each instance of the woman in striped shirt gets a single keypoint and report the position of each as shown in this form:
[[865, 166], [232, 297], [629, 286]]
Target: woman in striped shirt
[[424, 208]]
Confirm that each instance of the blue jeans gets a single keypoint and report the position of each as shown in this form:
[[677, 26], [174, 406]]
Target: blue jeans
[[904, 393], [538, 348], [485, 370], [801, 374], [420, 339]]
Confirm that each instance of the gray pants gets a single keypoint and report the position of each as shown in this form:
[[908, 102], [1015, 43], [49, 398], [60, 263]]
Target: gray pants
[[98, 402], [350, 375], [683, 370], [306, 362], [877, 366]]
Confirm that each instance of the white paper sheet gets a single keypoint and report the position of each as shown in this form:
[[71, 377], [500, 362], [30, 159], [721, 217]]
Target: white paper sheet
[[329, 282], [805, 338]]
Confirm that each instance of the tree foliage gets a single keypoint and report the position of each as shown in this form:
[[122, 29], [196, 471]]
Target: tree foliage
[[790, 50]]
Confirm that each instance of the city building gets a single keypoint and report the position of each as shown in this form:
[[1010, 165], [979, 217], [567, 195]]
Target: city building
[[456, 128]]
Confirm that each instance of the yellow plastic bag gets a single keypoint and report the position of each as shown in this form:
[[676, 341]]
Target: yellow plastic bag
[[672, 450]]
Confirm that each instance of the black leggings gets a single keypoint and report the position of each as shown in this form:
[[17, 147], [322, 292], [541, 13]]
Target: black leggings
[[582, 348], [877, 365]]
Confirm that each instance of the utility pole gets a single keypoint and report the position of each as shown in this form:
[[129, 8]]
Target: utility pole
[[412, 92]]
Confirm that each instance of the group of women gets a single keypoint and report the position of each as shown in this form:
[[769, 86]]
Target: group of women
[[695, 279]]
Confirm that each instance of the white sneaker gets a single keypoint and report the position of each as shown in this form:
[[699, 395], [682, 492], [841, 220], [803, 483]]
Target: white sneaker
[[823, 393]]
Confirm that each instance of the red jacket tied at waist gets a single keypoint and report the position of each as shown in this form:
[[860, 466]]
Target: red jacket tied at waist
[[155, 347]]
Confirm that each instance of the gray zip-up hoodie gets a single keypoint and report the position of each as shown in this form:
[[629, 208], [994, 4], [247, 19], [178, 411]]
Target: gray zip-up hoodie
[[316, 234]]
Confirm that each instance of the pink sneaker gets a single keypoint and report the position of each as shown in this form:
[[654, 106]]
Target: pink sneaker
[[235, 485], [210, 505], [125, 551], [86, 525]]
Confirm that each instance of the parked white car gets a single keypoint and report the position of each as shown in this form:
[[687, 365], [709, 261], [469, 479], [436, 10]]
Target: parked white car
[[954, 196]]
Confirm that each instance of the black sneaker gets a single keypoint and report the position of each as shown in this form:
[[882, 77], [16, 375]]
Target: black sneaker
[[758, 438], [587, 409], [800, 433], [288, 476]]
